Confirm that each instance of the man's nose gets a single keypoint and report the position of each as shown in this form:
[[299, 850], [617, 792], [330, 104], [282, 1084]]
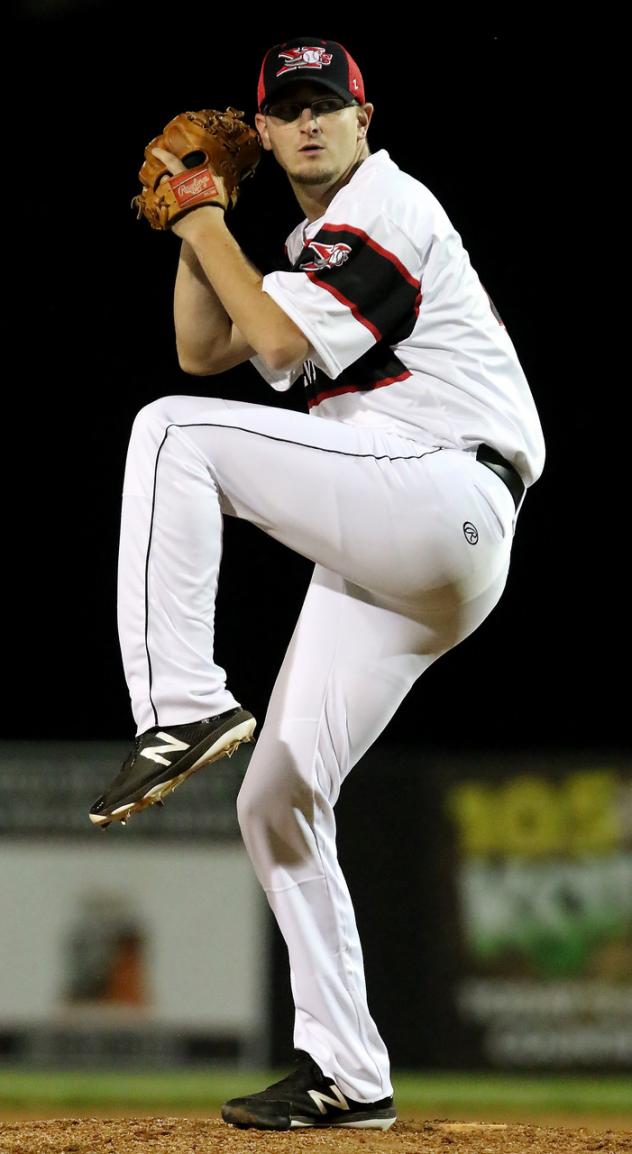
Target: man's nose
[[308, 118]]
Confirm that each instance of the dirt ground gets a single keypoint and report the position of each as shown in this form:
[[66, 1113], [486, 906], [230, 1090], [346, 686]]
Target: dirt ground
[[212, 1136]]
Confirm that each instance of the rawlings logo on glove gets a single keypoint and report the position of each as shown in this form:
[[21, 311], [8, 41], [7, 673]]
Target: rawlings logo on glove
[[219, 150]]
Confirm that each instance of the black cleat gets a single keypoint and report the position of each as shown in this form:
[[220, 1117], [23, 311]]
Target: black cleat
[[164, 756], [307, 1098]]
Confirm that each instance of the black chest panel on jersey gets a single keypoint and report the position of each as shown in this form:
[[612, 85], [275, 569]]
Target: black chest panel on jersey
[[373, 284], [376, 368]]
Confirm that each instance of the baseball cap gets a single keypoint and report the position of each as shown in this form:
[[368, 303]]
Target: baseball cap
[[323, 62]]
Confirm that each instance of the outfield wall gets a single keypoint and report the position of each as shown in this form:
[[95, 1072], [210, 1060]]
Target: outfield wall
[[493, 894]]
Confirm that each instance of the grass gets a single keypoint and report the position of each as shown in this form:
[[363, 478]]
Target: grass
[[433, 1094]]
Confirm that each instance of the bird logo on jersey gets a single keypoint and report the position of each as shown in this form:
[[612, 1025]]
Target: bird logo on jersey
[[307, 57], [327, 256]]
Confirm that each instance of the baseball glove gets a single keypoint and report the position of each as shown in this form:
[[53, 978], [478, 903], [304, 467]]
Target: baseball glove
[[210, 144]]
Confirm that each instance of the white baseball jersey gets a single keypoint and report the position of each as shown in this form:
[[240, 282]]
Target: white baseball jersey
[[403, 336]]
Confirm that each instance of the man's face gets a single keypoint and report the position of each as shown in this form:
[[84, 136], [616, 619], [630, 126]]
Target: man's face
[[314, 150]]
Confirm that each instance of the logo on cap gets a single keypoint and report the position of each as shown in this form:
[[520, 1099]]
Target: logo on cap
[[307, 57]]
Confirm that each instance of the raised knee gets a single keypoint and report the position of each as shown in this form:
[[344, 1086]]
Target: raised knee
[[155, 413]]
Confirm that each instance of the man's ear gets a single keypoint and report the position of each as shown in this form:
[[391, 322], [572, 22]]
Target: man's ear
[[260, 125], [365, 112]]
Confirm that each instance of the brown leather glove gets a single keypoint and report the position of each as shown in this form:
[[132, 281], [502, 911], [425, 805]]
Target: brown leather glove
[[210, 144]]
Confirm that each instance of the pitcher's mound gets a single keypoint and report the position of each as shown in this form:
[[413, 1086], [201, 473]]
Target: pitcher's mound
[[211, 1136]]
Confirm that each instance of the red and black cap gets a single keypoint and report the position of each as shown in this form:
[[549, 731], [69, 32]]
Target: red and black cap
[[309, 58]]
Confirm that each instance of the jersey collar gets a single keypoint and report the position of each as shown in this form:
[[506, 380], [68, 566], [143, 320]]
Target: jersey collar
[[310, 227]]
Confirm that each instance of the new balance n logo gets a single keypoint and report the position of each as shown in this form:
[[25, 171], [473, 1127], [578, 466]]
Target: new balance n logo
[[319, 1099], [155, 752]]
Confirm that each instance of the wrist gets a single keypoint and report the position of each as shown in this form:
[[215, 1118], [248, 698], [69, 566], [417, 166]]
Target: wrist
[[199, 222]]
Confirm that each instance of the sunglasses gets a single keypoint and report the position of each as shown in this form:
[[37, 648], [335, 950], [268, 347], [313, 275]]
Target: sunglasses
[[289, 110]]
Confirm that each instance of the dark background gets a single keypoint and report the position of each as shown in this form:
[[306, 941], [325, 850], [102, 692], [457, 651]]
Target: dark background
[[488, 120]]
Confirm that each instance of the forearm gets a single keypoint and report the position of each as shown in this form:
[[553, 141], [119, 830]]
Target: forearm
[[237, 286], [201, 322]]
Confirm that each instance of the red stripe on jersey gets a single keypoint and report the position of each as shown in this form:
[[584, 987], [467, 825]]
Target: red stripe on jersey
[[356, 389], [372, 244], [350, 305]]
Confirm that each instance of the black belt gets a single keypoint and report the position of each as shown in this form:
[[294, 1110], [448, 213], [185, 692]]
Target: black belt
[[503, 469]]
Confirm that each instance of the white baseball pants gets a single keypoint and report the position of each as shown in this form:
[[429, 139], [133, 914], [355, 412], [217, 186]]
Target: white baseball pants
[[411, 546]]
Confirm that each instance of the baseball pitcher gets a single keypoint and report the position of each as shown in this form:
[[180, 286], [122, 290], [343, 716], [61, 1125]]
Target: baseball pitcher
[[402, 482]]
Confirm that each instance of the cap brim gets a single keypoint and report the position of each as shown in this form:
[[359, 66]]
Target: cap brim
[[285, 83]]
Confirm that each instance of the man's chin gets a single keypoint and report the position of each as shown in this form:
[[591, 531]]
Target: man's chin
[[322, 176]]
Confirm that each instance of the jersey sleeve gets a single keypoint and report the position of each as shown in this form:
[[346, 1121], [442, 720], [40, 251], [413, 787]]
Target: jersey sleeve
[[354, 283], [280, 379]]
